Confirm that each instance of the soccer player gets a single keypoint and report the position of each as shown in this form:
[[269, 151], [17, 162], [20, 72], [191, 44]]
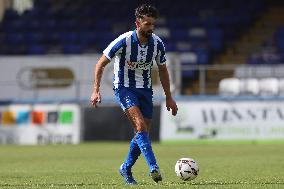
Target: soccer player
[[135, 52]]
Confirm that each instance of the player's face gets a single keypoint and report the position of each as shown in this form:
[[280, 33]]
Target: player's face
[[145, 26]]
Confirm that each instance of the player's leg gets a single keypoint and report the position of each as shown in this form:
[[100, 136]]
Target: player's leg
[[146, 107], [133, 154], [134, 151], [154, 173], [142, 137], [127, 99]]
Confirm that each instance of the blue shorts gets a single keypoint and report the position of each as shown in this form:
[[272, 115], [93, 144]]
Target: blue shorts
[[143, 98]]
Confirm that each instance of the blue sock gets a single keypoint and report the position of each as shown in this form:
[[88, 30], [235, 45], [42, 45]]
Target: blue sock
[[144, 144], [133, 154]]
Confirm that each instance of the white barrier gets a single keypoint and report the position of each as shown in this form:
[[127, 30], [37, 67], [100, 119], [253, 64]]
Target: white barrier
[[64, 77], [224, 120], [40, 124]]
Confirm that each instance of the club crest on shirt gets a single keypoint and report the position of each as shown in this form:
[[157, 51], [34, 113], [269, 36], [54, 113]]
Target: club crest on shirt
[[139, 65]]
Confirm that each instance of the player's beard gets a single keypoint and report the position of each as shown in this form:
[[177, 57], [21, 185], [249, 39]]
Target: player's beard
[[146, 34]]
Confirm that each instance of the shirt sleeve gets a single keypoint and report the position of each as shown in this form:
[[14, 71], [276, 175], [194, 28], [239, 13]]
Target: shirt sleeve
[[161, 55], [114, 48]]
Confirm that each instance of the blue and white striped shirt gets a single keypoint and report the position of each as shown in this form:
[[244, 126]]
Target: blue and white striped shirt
[[133, 61]]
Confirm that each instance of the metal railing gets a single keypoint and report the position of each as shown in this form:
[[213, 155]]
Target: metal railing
[[238, 70]]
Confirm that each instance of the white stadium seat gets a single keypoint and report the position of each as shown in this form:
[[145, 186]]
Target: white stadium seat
[[268, 87], [249, 86], [163, 32], [188, 57], [281, 87], [229, 86], [197, 32]]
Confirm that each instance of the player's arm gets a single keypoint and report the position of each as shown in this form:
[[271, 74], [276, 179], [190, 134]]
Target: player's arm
[[165, 81], [96, 96], [112, 50]]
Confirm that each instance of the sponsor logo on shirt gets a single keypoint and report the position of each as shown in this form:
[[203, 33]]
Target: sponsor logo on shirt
[[139, 65]]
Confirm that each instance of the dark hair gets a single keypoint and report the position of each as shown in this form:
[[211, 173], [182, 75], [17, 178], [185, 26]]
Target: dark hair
[[146, 10]]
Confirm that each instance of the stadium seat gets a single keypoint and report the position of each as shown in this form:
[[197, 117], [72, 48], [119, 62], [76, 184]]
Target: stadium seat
[[32, 25], [203, 55], [229, 86], [183, 46], [281, 87], [187, 25], [68, 37], [215, 33], [13, 50], [268, 87], [189, 58], [163, 32], [179, 35], [72, 49], [14, 38], [197, 32], [280, 44], [12, 25], [34, 37], [249, 86], [36, 49]]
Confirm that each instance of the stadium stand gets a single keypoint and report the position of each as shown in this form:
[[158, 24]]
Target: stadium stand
[[206, 32], [196, 26]]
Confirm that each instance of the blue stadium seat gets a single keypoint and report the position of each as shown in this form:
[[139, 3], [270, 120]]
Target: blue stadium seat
[[188, 58], [10, 14], [69, 37], [72, 49], [36, 49], [203, 56], [57, 24], [12, 25], [34, 37], [14, 38], [280, 45]]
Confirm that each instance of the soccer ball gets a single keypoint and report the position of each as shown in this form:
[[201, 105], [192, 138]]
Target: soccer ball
[[186, 169]]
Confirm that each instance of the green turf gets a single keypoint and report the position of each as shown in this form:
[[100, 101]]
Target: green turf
[[95, 165]]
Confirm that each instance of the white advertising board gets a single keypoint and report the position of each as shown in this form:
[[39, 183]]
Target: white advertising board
[[224, 120], [40, 124], [63, 78]]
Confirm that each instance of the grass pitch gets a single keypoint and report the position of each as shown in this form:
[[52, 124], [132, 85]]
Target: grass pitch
[[95, 165]]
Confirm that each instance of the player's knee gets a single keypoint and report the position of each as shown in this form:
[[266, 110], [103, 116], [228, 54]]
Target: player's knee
[[141, 126], [141, 129]]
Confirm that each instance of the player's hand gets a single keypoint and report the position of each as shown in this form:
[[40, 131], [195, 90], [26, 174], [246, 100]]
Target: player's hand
[[171, 105], [95, 98]]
